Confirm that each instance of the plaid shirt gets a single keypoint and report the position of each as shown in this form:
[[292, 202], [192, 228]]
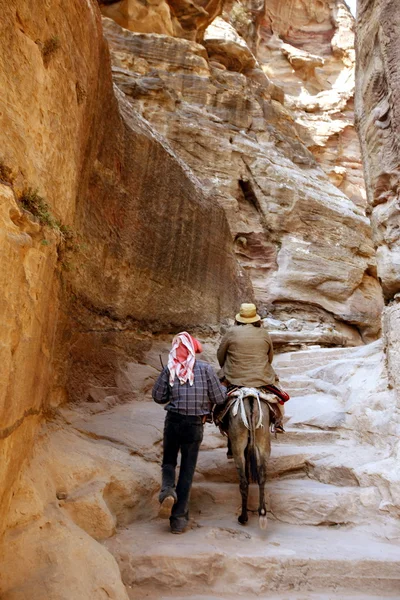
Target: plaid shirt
[[185, 399]]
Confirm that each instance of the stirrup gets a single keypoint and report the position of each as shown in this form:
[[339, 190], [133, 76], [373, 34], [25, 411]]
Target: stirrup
[[279, 429]]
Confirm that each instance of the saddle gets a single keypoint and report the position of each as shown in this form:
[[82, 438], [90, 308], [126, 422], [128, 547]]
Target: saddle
[[268, 394]]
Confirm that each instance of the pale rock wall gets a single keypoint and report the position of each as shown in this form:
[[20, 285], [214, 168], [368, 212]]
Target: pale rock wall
[[391, 331], [378, 120], [136, 213], [378, 123], [308, 49], [305, 245]]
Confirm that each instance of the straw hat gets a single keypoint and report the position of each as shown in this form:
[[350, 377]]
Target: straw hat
[[247, 314]]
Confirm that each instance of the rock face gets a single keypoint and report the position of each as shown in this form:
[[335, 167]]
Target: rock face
[[378, 123], [40, 149], [210, 173], [309, 51], [378, 87], [29, 314], [71, 496], [181, 18], [305, 245], [113, 234]]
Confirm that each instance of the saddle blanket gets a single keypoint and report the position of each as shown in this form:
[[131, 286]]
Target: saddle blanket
[[237, 392]]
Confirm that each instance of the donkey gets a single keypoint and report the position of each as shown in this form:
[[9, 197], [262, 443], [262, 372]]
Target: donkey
[[249, 433]]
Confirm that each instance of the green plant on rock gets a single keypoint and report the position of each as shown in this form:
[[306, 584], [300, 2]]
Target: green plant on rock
[[31, 200], [65, 231]]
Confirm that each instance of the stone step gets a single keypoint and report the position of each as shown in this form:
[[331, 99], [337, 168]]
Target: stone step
[[318, 354], [322, 411], [306, 365], [219, 557], [291, 371], [301, 362], [320, 463], [297, 501], [295, 392], [267, 596], [294, 435], [300, 383], [306, 436], [214, 465]]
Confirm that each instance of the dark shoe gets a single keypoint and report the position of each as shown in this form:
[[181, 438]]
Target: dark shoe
[[168, 491], [167, 499], [179, 525]]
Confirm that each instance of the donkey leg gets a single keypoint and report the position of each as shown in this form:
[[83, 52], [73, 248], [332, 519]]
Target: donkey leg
[[262, 508], [238, 449], [264, 451], [244, 491]]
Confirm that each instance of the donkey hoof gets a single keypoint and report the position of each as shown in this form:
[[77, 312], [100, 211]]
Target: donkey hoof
[[263, 521], [243, 520]]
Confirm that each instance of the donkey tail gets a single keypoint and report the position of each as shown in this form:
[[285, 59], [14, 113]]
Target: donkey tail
[[252, 448]]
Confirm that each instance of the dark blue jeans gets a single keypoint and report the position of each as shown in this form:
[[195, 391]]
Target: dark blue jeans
[[181, 433]]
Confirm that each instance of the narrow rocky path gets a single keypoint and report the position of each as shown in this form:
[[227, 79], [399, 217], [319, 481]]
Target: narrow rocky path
[[326, 533]]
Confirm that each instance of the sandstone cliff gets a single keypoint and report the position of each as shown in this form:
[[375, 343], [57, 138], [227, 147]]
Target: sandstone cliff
[[377, 89], [113, 236], [378, 124], [222, 164], [273, 142]]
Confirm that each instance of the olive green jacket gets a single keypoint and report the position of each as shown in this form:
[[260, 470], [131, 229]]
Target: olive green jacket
[[245, 355]]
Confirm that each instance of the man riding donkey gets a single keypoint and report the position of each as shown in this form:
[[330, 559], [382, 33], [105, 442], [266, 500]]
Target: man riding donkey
[[245, 355], [190, 388]]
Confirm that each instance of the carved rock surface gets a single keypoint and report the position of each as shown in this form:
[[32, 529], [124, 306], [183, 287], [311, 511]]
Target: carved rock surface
[[304, 244], [27, 326], [377, 94]]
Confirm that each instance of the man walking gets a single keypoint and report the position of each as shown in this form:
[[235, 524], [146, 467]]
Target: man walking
[[189, 387]]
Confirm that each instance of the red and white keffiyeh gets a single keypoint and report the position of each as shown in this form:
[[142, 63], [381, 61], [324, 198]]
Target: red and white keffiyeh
[[181, 358]]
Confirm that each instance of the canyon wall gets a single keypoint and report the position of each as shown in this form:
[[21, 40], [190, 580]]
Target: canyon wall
[[112, 233], [378, 121], [216, 162], [100, 223], [266, 124]]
